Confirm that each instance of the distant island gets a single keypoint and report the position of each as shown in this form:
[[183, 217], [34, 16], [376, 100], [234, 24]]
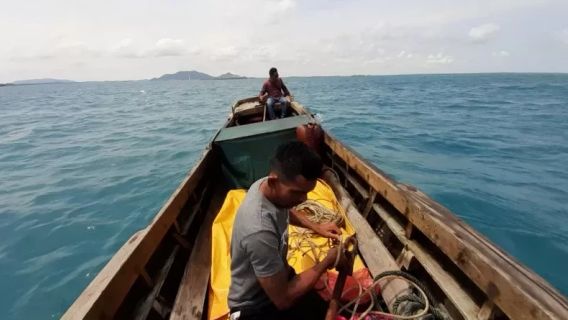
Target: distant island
[[180, 75], [41, 81], [35, 81], [196, 75]]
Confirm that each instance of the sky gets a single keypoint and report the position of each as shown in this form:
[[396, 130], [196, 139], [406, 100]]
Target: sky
[[140, 39]]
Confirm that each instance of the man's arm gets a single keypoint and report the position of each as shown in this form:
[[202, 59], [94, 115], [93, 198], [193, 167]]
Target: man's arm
[[284, 293], [263, 92], [328, 230], [286, 92]]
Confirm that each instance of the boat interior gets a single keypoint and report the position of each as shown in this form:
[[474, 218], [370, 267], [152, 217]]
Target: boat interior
[[163, 271], [251, 110]]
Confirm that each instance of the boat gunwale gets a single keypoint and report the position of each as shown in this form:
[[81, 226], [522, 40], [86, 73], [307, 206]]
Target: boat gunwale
[[98, 299], [530, 296], [103, 296], [505, 281]]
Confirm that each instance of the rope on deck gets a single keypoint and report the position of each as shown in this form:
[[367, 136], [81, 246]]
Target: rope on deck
[[414, 305]]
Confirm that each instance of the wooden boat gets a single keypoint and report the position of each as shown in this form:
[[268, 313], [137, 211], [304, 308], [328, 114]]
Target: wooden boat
[[163, 270]]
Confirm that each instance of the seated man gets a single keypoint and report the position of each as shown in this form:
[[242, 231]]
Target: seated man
[[263, 285], [273, 88]]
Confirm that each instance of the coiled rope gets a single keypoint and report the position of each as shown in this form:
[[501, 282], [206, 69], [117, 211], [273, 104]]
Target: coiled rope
[[315, 212], [318, 213], [422, 299]]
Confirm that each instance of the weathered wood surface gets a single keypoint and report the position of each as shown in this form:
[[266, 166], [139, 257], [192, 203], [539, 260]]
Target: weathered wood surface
[[191, 294], [142, 311], [146, 305], [463, 302], [376, 255], [253, 105], [517, 291], [102, 298]]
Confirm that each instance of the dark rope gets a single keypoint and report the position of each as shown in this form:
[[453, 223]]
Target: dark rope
[[412, 298]]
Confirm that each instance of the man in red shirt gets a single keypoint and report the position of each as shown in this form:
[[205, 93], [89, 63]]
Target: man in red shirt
[[275, 90]]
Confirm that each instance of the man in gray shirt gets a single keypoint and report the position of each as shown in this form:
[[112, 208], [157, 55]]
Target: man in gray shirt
[[263, 286]]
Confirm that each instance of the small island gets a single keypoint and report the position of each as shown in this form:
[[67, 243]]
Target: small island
[[41, 81], [196, 75], [35, 81]]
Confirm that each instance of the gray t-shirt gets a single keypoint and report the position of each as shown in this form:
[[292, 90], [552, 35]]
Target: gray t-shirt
[[259, 246]]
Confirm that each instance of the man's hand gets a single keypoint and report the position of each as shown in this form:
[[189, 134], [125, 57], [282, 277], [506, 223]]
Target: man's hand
[[328, 230], [331, 257], [288, 98]]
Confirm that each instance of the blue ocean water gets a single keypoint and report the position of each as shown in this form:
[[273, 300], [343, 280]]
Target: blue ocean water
[[84, 165]]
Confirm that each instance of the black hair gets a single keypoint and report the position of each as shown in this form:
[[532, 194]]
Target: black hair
[[272, 71], [296, 158]]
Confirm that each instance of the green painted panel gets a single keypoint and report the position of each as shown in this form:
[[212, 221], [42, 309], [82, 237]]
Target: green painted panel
[[245, 151], [261, 128]]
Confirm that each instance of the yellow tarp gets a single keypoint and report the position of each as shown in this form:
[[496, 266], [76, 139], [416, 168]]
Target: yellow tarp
[[300, 254]]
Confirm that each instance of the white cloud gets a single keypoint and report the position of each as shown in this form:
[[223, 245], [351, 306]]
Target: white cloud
[[165, 47], [125, 49], [366, 46], [323, 37], [285, 5], [263, 53], [168, 48], [225, 53], [564, 35], [484, 32], [76, 49], [404, 54], [501, 54], [64, 50], [439, 58]]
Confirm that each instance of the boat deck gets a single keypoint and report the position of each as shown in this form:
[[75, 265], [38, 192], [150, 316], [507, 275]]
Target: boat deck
[[163, 270]]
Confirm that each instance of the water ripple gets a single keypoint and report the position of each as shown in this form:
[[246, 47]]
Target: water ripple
[[84, 165]]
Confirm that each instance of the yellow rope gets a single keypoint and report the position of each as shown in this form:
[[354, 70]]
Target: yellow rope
[[317, 213]]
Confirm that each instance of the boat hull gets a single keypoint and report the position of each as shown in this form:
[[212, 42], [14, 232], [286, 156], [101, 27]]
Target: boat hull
[[162, 270]]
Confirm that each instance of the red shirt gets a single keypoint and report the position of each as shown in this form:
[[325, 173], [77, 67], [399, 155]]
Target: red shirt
[[275, 88]]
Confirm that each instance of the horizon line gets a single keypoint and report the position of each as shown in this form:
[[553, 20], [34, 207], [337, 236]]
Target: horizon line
[[292, 76]]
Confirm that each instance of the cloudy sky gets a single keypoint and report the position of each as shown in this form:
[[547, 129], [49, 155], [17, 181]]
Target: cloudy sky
[[138, 39]]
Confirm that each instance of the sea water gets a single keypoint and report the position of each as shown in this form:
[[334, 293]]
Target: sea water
[[84, 165]]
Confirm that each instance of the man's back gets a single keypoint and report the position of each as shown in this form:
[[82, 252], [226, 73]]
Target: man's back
[[258, 247]]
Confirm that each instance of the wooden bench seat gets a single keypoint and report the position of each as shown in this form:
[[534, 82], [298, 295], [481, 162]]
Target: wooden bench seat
[[190, 299]]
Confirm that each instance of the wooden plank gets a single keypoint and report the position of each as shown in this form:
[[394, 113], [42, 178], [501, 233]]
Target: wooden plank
[[405, 258], [102, 298], [144, 309], [298, 107], [159, 307], [517, 291], [486, 311], [150, 300], [146, 277], [369, 204], [374, 252], [177, 227], [460, 298], [181, 240], [190, 298], [408, 230], [360, 189]]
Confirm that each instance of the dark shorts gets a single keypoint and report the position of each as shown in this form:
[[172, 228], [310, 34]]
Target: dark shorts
[[310, 306]]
